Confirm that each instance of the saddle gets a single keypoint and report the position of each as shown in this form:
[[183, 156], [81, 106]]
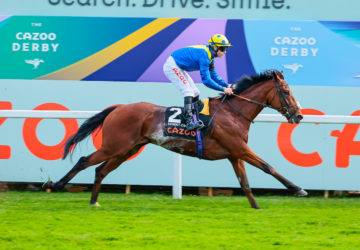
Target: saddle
[[175, 125]]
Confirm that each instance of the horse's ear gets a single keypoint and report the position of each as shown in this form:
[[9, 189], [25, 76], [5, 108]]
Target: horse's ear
[[282, 73]]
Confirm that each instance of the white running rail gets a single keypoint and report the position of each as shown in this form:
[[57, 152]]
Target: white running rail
[[52, 114]]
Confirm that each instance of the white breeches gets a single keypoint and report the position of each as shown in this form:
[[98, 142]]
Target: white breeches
[[180, 78]]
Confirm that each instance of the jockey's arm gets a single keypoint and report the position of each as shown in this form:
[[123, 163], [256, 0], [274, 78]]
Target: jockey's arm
[[207, 80], [214, 75]]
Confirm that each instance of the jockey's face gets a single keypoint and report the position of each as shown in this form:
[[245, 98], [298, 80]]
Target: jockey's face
[[220, 51]]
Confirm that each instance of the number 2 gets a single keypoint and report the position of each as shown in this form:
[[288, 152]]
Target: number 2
[[172, 118]]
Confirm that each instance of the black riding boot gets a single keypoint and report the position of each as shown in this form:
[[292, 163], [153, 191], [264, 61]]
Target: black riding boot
[[190, 125], [198, 105]]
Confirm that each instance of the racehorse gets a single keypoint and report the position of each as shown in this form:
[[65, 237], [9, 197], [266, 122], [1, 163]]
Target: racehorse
[[126, 128]]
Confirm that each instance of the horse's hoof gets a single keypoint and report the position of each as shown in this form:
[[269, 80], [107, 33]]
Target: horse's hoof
[[96, 204], [48, 184], [301, 193], [53, 186]]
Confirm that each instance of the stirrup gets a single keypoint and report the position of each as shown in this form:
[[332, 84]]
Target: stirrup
[[191, 126], [200, 125]]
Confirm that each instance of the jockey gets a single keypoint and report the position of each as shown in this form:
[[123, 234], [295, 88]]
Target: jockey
[[197, 58]]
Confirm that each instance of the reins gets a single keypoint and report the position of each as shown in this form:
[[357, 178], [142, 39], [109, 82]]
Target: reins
[[237, 111], [217, 109], [255, 102], [278, 90], [284, 104], [233, 108], [264, 104]]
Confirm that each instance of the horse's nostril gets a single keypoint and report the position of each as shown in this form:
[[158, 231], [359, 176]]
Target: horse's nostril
[[300, 117]]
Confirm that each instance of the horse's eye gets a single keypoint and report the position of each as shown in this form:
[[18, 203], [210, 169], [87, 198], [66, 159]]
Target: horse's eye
[[286, 92]]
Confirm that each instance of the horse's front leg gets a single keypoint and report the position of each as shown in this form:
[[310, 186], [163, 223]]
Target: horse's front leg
[[250, 157], [240, 171]]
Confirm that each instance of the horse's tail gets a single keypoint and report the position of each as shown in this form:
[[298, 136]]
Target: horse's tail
[[87, 128]]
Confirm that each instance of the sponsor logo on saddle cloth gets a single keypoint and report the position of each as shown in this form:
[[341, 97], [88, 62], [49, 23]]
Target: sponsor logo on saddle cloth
[[175, 125]]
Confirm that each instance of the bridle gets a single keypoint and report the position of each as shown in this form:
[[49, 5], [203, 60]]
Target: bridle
[[284, 109], [285, 106]]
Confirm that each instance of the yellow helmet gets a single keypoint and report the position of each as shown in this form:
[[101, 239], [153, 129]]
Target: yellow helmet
[[219, 41]]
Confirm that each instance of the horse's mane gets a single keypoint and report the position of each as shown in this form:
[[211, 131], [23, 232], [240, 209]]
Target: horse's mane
[[248, 81]]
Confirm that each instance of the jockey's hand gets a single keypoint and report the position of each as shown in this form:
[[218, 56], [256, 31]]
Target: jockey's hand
[[228, 91]]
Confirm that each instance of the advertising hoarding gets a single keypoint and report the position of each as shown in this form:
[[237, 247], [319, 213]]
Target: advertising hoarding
[[95, 67]]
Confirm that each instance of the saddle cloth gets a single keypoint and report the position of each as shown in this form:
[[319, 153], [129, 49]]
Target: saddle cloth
[[175, 125]]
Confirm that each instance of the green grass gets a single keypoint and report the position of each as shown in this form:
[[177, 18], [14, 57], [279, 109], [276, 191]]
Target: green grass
[[31, 220]]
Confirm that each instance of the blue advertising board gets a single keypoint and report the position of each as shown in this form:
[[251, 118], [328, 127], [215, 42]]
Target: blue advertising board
[[312, 52]]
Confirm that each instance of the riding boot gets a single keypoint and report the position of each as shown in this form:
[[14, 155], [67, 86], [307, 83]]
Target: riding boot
[[190, 125], [198, 105]]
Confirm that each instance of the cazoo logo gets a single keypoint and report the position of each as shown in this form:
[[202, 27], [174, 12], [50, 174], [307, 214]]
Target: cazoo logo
[[38, 42], [294, 46], [35, 42], [291, 47]]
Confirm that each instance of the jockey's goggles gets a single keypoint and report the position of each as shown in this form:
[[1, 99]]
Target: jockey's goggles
[[223, 48]]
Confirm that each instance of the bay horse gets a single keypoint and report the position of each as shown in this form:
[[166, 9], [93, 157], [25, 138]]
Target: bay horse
[[126, 128]]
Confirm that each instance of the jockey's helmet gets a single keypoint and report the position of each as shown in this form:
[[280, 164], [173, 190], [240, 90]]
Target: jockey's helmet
[[219, 40]]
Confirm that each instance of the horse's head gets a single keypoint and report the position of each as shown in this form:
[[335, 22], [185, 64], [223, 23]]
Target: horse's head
[[283, 100]]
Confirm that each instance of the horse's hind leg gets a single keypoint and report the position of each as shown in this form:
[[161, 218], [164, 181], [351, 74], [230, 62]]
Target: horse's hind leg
[[100, 173], [250, 157], [83, 163], [104, 169], [80, 165], [239, 168]]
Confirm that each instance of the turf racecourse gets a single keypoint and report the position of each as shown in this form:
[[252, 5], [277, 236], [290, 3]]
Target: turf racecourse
[[39, 220]]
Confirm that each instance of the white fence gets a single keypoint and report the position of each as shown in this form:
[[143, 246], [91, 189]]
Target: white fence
[[177, 181], [327, 119]]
